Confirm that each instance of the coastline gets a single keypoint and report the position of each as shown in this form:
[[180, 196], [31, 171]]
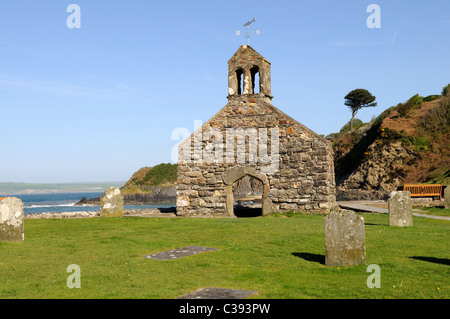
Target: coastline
[[157, 194], [146, 212]]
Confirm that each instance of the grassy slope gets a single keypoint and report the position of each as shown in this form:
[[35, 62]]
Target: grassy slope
[[278, 257], [145, 178]]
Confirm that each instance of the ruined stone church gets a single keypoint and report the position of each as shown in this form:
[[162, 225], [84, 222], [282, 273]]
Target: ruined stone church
[[251, 152]]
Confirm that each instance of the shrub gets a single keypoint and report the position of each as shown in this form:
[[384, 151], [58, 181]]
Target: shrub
[[379, 119], [446, 90], [390, 134], [357, 123], [430, 98], [419, 143], [413, 103]]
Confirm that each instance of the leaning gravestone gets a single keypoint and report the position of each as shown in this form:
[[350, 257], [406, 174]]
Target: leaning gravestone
[[400, 209], [111, 203], [344, 239], [447, 197], [11, 219]]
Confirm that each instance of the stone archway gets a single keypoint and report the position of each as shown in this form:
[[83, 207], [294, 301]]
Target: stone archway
[[233, 174]]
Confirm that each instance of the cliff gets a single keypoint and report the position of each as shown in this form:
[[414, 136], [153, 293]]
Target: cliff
[[151, 185], [408, 143], [147, 185]]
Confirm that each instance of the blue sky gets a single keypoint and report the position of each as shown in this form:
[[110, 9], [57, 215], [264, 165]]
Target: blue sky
[[99, 102]]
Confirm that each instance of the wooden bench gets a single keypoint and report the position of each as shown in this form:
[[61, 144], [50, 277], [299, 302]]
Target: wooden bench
[[424, 190]]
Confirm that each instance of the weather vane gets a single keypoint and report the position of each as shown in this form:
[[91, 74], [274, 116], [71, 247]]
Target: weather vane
[[248, 30]]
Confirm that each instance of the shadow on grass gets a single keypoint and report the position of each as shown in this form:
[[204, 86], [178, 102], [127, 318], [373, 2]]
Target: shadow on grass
[[443, 261], [311, 257], [379, 224]]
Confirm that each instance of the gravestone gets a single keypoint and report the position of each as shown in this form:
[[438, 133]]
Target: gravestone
[[179, 253], [447, 197], [218, 293], [11, 219], [111, 203], [400, 209], [344, 239]]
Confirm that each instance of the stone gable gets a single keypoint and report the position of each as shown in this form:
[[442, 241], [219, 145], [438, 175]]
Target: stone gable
[[250, 136]]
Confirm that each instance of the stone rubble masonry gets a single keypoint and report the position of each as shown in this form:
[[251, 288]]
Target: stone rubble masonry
[[11, 220], [447, 197], [344, 239], [63, 215], [400, 209], [154, 212], [111, 203], [303, 180]]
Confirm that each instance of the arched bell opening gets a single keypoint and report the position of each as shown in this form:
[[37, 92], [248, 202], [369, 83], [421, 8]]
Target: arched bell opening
[[256, 80]]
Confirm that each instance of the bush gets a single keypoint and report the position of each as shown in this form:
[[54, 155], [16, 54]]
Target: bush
[[392, 135], [446, 90], [418, 143], [357, 123], [413, 103], [430, 98], [379, 119]]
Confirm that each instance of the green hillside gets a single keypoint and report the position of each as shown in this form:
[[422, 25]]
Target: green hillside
[[147, 177]]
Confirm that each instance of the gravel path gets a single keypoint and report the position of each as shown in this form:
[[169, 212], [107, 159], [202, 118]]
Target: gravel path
[[365, 206]]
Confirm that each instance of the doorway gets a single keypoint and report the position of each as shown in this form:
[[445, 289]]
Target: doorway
[[255, 187], [247, 194]]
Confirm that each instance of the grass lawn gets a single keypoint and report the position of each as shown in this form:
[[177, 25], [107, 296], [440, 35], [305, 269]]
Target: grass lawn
[[436, 211], [280, 257]]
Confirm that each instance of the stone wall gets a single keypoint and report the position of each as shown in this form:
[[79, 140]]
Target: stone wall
[[302, 179]]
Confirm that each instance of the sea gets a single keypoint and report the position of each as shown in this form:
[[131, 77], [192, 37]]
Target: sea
[[65, 202]]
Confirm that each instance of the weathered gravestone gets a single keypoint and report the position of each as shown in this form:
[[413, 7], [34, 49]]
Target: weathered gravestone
[[447, 197], [179, 253], [111, 203], [11, 219], [400, 209], [218, 293], [344, 239]]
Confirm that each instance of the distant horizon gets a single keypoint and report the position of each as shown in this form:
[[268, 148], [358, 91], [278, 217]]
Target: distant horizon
[[63, 183], [21, 188]]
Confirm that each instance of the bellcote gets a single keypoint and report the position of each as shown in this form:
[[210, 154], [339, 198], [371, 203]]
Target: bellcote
[[248, 74]]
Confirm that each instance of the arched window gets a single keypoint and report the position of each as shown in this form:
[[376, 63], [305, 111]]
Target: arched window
[[256, 82], [240, 81]]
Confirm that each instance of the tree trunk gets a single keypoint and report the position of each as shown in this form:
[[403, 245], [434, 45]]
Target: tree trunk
[[351, 121]]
